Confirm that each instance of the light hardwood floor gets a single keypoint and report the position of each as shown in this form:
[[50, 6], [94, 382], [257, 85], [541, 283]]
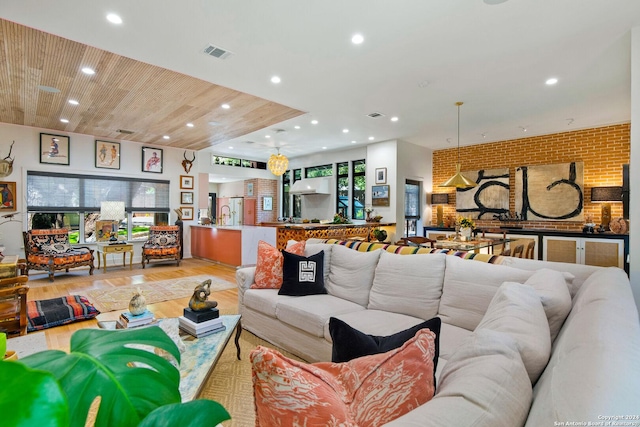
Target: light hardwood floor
[[79, 281]]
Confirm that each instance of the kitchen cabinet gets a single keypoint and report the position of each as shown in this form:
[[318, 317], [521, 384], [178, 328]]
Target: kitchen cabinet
[[584, 250]]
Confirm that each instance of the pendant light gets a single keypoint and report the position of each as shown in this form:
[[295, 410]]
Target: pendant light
[[278, 163], [458, 180]]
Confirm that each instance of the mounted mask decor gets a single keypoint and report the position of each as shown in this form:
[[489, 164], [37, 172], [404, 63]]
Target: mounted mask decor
[[186, 163], [6, 164]]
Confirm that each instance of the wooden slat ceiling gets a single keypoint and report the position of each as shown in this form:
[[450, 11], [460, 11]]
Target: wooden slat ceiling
[[123, 94]]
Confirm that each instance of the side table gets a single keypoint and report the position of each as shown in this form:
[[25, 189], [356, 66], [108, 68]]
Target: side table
[[105, 248]]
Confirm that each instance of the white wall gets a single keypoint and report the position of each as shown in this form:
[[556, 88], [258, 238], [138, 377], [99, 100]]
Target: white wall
[[634, 168], [82, 161], [415, 163]]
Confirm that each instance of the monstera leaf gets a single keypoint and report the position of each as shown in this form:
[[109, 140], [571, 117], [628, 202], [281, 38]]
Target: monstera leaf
[[124, 371]]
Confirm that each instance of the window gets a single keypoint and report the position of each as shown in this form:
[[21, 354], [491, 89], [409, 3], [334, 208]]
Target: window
[[342, 189], [411, 206], [317, 171], [286, 185], [359, 188], [56, 200], [297, 199]]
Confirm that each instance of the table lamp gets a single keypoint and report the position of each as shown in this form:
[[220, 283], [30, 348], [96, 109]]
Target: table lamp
[[606, 194], [112, 211], [440, 199]]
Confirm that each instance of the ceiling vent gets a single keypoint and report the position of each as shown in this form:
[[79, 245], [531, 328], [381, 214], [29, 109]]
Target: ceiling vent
[[375, 115], [216, 52], [126, 132]]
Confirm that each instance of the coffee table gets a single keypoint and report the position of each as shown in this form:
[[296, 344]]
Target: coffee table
[[201, 354]]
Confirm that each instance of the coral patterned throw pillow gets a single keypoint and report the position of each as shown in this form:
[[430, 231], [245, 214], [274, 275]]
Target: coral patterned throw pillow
[[269, 264]]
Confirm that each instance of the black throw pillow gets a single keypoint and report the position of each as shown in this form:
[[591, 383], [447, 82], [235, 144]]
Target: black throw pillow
[[350, 343], [302, 275]]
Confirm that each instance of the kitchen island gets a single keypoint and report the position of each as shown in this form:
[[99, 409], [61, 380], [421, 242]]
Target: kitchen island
[[288, 231], [231, 245]]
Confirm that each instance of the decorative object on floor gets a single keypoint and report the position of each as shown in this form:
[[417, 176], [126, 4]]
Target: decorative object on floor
[[489, 198], [552, 193], [458, 180], [606, 194], [54, 149], [105, 364], [138, 303], [278, 163], [367, 391], [6, 164], [186, 163], [44, 314], [117, 298], [200, 299], [380, 195]]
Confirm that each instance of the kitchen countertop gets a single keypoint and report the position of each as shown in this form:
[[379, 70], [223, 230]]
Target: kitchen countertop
[[315, 225]]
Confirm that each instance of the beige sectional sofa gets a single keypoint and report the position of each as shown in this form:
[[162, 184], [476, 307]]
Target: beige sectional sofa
[[522, 342]]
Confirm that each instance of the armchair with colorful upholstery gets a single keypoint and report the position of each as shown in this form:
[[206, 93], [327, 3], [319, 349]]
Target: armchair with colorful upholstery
[[49, 250], [164, 243]]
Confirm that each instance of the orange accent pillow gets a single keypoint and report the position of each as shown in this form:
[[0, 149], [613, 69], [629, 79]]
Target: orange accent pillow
[[269, 264], [367, 391]]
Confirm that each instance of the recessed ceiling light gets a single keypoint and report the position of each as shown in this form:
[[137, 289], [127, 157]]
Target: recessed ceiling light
[[357, 39], [370, 138], [230, 147], [190, 125], [49, 89], [524, 129], [314, 122], [73, 102], [494, 2], [64, 120], [394, 119], [226, 106], [353, 142], [551, 81], [267, 136], [88, 71], [345, 130], [166, 137], [324, 148], [114, 19], [275, 79], [296, 127]]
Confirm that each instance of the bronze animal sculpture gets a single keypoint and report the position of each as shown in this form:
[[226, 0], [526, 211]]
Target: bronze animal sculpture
[[186, 163], [198, 301]]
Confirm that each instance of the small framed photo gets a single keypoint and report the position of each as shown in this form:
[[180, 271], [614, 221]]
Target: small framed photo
[[250, 189], [186, 197], [8, 194], [107, 154], [380, 195], [381, 175], [186, 182], [152, 159], [267, 203], [187, 213], [54, 149]]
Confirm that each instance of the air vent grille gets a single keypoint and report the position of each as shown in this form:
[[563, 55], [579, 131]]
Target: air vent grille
[[375, 115], [127, 132], [216, 52]]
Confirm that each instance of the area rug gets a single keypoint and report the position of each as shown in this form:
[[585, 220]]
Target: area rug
[[117, 298]]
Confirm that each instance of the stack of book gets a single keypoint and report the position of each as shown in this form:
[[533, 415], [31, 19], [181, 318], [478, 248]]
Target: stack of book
[[128, 320], [201, 329]]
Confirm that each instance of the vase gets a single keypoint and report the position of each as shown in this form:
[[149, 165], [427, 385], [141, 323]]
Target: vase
[[465, 233]]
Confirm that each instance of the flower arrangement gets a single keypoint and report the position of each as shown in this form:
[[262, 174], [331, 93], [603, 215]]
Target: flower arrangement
[[465, 222]]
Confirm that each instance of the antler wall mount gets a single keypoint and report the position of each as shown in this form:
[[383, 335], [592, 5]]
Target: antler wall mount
[[186, 163]]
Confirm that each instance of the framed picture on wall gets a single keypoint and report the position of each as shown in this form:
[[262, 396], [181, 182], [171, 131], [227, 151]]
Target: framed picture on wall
[[187, 213], [250, 189], [267, 203], [381, 175], [152, 159], [54, 149], [380, 195], [107, 154], [186, 197], [105, 229], [8, 194], [186, 182]]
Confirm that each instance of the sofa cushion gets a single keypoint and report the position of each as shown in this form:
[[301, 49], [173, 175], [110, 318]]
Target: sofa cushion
[[263, 300], [351, 274], [302, 275], [451, 338], [312, 249], [366, 392], [375, 322], [312, 312], [408, 284], [469, 287], [484, 384], [268, 273], [517, 311], [553, 291], [56, 248]]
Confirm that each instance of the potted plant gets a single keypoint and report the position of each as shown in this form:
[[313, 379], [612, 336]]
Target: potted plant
[[120, 369], [380, 234], [466, 226]]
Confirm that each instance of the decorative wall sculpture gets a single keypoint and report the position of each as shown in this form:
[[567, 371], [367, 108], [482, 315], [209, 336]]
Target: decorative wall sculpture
[[489, 198], [550, 192]]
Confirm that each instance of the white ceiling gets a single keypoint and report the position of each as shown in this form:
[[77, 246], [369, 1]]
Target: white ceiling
[[418, 58]]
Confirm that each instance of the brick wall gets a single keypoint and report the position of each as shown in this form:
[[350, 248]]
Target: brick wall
[[261, 188], [603, 151]]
